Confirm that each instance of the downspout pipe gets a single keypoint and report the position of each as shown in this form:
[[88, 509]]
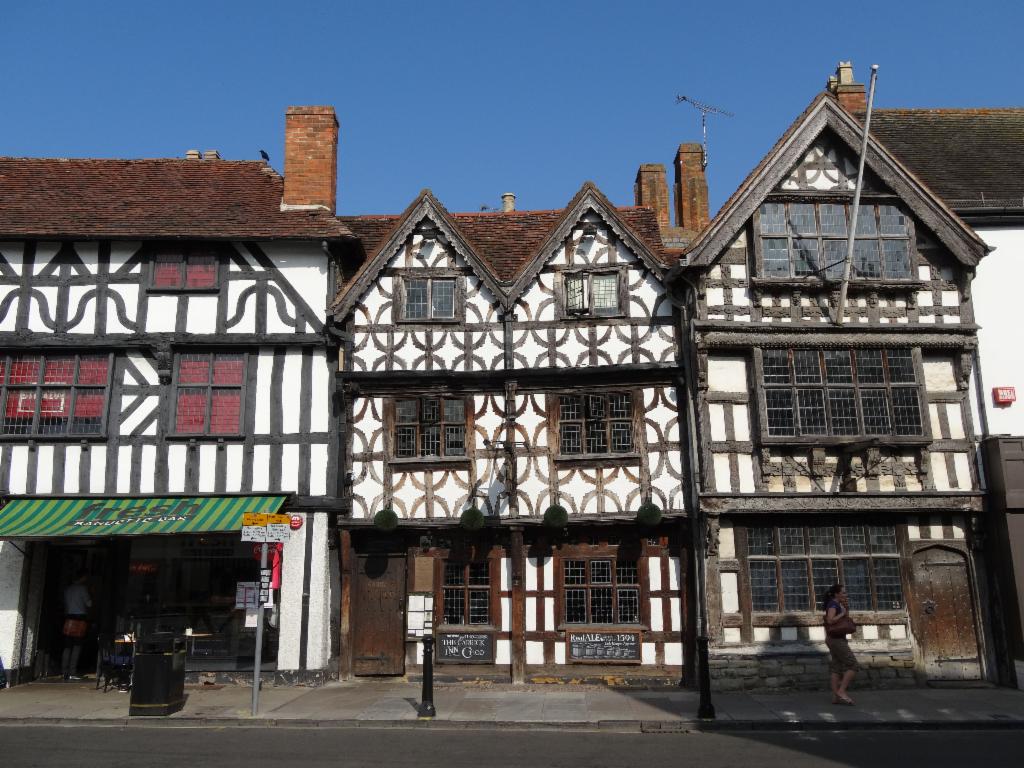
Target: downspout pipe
[[705, 708]]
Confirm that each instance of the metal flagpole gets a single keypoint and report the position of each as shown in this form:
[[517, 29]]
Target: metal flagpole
[[257, 661], [841, 308]]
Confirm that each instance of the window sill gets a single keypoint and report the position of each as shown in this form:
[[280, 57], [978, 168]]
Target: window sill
[[183, 437], [858, 442], [182, 291], [429, 321], [431, 462], [818, 283], [582, 317], [100, 438], [460, 629], [563, 627], [598, 459]]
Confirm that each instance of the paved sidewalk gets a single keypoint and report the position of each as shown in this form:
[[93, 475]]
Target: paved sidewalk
[[372, 703]]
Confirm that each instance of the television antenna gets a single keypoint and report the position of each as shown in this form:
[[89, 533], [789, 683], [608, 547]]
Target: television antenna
[[705, 110]]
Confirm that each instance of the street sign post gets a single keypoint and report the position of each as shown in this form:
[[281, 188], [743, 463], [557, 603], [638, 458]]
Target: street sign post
[[263, 528]]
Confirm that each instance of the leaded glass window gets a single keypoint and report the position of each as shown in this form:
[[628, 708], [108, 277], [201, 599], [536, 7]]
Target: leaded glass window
[[596, 424], [429, 298], [466, 594], [592, 294], [600, 591], [840, 392], [810, 239], [791, 567], [429, 427]]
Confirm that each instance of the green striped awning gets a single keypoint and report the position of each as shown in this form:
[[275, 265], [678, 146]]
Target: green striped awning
[[38, 518]]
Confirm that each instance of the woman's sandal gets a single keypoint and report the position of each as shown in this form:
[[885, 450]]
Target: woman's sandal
[[844, 700]]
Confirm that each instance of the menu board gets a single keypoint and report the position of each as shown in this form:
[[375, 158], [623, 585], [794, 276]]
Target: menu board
[[465, 647], [604, 646]]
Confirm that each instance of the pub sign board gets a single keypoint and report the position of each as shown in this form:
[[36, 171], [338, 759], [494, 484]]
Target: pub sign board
[[465, 648], [604, 646]]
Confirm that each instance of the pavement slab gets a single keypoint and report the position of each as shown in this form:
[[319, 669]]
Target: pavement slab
[[382, 703]]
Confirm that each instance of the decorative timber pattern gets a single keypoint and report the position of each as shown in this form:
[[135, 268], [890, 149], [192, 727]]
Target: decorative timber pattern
[[260, 303]]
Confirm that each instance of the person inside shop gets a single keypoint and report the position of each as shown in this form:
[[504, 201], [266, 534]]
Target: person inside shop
[[77, 603]]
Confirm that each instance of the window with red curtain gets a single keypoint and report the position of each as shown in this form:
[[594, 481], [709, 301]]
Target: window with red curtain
[[209, 394], [58, 394], [189, 269]]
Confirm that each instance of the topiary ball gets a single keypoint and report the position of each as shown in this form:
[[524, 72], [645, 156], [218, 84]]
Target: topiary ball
[[555, 516], [649, 514], [386, 519], [472, 519]]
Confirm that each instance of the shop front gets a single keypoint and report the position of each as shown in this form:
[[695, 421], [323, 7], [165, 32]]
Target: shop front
[[602, 602], [149, 566]]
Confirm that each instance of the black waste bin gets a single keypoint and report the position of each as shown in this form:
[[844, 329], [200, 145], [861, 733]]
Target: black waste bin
[[158, 681]]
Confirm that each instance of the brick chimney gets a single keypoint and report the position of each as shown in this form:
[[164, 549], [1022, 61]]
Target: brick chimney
[[651, 190], [310, 158], [691, 190], [851, 95]]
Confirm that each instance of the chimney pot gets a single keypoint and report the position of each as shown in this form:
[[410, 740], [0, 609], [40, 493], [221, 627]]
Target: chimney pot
[[310, 158], [211, 154], [192, 154], [691, 190], [651, 190], [508, 202]]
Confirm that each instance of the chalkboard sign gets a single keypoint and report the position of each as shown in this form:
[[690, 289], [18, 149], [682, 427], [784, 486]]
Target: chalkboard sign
[[604, 646], [465, 648]]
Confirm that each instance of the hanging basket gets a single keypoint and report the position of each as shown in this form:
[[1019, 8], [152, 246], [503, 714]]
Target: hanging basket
[[386, 519], [555, 516], [472, 519], [649, 514]]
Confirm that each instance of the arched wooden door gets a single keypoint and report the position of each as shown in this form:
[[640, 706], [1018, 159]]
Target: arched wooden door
[[942, 615]]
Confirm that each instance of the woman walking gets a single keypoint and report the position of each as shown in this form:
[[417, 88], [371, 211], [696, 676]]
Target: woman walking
[[838, 624]]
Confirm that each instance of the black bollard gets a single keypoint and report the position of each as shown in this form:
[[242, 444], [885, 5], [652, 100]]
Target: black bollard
[[426, 708]]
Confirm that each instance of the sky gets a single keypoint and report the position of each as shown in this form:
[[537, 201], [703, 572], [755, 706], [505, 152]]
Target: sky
[[473, 99]]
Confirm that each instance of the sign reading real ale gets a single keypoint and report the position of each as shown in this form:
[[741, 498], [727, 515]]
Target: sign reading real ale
[[465, 648], [604, 646]]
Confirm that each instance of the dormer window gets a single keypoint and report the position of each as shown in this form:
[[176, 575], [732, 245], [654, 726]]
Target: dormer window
[[809, 240], [592, 294], [184, 269]]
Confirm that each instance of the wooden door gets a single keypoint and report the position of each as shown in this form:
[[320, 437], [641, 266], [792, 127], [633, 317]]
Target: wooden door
[[378, 646], [943, 614]]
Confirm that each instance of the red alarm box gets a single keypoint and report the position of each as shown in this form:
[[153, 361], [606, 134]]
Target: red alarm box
[[1004, 395]]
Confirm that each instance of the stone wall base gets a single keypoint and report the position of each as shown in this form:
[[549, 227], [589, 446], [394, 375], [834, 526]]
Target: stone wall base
[[806, 672]]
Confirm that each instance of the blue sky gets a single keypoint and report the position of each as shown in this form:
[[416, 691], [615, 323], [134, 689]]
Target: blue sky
[[473, 99]]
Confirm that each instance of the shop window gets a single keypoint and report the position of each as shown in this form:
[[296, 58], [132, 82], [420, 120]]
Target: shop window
[[184, 270], [467, 593], [791, 568], [841, 392], [430, 298], [595, 424], [601, 591], [430, 427], [208, 394], [810, 240], [56, 394], [592, 294]]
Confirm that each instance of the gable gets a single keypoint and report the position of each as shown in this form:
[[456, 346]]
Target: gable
[[424, 213], [823, 122], [588, 213], [827, 166]]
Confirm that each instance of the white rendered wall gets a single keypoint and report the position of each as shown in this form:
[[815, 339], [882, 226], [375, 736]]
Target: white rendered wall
[[11, 569], [996, 292]]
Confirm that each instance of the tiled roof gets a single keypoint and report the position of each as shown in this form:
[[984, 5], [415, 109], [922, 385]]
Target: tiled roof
[[151, 199], [507, 241], [970, 157]]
